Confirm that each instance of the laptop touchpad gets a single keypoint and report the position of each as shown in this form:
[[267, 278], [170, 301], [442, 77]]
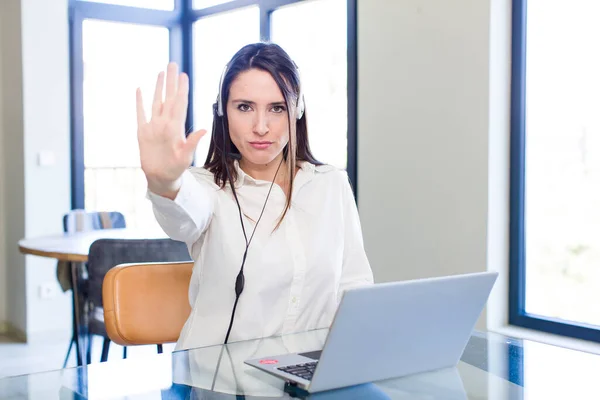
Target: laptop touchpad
[[315, 355]]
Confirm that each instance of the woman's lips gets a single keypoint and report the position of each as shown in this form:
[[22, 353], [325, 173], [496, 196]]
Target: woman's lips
[[260, 145]]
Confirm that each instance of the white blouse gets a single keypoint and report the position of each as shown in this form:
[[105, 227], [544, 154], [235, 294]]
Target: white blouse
[[294, 276]]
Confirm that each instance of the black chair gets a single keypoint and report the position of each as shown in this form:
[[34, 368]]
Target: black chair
[[107, 253], [81, 221]]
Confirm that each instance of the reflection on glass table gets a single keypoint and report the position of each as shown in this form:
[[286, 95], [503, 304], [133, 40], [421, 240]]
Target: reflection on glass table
[[491, 367]]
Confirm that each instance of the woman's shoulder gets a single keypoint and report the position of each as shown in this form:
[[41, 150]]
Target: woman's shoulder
[[329, 178], [330, 173], [328, 183]]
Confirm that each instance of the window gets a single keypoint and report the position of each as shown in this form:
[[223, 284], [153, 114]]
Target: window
[[117, 58], [118, 45], [208, 3], [323, 69], [555, 177], [210, 57], [151, 4]]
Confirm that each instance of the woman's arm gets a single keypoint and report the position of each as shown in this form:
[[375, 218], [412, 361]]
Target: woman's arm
[[356, 270], [182, 206], [188, 215]]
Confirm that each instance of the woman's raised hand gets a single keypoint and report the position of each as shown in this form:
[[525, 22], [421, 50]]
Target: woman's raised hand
[[165, 151]]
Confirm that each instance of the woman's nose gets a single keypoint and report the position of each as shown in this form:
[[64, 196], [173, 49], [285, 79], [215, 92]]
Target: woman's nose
[[261, 124]]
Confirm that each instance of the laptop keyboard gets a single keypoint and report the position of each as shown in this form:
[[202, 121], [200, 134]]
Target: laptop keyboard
[[304, 371]]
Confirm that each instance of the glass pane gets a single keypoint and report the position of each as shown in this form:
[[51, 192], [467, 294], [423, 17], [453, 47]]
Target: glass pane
[[152, 4], [208, 3], [314, 33], [117, 59], [210, 57], [563, 160]]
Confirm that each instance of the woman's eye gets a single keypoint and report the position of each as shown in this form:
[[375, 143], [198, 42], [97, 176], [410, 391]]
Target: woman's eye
[[244, 107], [278, 109]]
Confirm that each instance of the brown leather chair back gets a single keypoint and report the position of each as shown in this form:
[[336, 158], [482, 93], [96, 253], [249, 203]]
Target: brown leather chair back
[[146, 303]]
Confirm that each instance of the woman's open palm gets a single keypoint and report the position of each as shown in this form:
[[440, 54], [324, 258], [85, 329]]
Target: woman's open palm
[[165, 151]]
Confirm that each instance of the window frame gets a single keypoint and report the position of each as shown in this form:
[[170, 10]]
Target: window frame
[[180, 22], [517, 254]]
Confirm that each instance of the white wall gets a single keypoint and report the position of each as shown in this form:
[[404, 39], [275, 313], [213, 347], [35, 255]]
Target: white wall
[[13, 166], [36, 118], [3, 298], [45, 30], [423, 135]]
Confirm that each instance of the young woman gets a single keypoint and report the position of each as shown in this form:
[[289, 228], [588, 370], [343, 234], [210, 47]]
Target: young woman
[[275, 234]]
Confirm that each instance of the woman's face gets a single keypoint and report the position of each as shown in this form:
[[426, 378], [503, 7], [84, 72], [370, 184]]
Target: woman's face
[[258, 118]]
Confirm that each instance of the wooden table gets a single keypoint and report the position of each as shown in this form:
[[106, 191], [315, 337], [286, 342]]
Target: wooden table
[[75, 247]]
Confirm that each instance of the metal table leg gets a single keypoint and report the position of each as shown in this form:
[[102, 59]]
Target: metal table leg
[[79, 320]]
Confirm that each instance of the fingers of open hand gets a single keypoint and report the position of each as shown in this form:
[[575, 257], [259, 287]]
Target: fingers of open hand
[[158, 94], [168, 115], [193, 139], [141, 115], [170, 89], [180, 104]]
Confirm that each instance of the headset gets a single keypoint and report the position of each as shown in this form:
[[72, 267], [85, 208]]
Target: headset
[[240, 279]]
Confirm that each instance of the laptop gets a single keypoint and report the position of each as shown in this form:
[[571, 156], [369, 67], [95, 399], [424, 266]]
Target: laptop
[[389, 330]]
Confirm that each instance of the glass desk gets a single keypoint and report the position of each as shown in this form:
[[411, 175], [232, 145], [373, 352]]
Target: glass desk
[[492, 367]]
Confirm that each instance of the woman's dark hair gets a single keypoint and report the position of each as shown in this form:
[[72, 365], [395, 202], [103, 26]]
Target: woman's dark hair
[[222, 153]]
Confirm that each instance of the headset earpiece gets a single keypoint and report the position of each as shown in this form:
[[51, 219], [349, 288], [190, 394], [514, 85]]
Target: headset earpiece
[[220, 112], [300, 105], [300, 102]]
